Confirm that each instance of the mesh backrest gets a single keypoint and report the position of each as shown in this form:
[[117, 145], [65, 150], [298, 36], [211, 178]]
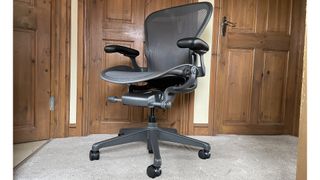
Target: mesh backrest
[[165, 27]]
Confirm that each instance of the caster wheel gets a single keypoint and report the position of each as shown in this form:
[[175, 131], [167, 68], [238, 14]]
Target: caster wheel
[[94, 155], [120, 134], [153, 171], [150, 151], [204, 154]]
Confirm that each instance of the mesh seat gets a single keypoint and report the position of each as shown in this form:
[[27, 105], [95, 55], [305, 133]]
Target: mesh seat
[[124, 75], [127, 77]]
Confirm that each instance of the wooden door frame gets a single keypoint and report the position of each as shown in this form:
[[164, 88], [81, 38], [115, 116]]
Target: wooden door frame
[[60, 67], [80, 128], [214, 59], [302, 142], [296, 55], [297, 42]]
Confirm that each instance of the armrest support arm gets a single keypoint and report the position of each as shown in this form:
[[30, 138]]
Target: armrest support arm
[[129, 52], [197, 46]]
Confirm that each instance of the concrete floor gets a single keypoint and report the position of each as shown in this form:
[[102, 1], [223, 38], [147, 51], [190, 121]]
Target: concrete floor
[[233, 157], [24, 150]]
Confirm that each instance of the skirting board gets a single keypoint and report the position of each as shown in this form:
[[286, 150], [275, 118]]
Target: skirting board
[[200, 129]]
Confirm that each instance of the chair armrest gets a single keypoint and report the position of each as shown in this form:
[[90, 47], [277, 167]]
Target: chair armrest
[[195, 44], [198, 46], [122, 50], [129, 52]]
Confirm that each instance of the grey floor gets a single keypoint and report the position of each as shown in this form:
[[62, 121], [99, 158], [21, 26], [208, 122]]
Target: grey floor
[[22, 151], [233, 157]]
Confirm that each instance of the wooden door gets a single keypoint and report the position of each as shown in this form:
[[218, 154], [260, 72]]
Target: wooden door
[[252, 71], [31, 62], [119, 22]]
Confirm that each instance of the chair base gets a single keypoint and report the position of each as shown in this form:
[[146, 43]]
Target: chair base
[[152, 134]]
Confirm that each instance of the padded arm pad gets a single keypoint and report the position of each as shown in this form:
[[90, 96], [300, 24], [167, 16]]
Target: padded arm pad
[[121, 49], [195, 44]]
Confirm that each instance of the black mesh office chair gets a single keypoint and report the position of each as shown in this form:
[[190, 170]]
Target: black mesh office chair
[[175, 59]]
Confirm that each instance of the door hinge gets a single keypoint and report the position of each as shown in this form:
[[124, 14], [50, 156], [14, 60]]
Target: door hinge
[[51, 103]]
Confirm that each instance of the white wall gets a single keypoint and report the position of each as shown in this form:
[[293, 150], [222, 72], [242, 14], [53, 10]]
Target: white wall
[[201, 98], [73, 62]]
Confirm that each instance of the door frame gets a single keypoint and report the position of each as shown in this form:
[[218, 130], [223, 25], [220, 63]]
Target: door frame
[[61, 30], [214, 59], [295, 80], [60, 67]]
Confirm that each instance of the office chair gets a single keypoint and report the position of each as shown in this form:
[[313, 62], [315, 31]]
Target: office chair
[[174, 55]]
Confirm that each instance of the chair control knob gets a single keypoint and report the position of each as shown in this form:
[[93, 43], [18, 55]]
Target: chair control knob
[[164, 105], [114, 99]]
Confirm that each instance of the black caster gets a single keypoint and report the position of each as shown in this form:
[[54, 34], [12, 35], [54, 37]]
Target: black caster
[[120, 134], [94, 155], [150, 151], [153, 171], [203, 154]]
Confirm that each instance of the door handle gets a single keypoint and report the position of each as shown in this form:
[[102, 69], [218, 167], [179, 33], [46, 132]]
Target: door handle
[[226, 23]]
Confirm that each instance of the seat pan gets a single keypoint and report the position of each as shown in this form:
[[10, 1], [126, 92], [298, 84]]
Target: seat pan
[[126, 75]]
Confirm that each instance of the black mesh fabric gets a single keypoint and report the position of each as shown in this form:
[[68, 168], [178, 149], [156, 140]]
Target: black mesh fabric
[[162, 31], [165, 27]]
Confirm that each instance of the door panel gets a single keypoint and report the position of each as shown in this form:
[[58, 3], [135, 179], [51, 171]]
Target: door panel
[[31, 69], [273, 86], [279, 16], [244, 17], [238, 86], [120, 22], [252, 68], [118, 10]]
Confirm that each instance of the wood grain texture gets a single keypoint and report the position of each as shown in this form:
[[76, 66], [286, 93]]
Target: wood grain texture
[[273, 87], [243, 13], [295, 67], [60, 65], [212, 129], [120, 10], [238, 88], [31, 62], [302, 144], [279, 16], [24, 77], [200, 130], [267, 29]]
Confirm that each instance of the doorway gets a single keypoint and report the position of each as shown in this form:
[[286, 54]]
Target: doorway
[[257, 79]]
